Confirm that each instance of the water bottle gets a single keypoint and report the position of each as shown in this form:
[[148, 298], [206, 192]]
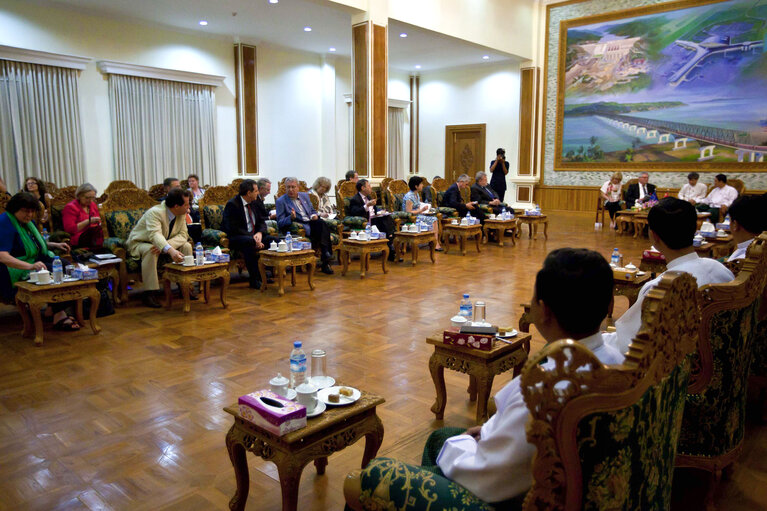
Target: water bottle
[[368, 230], [45, 235], [297, 365], [58, 271], [468, 218], [466, 309], [289, 242], [615, 258], [199, 254]]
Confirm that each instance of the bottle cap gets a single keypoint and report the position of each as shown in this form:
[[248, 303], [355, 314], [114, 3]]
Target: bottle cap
[[466, 295], [297, 344]]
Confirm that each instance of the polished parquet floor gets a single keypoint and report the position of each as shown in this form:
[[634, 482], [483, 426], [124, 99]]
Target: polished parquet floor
[[132, 418]]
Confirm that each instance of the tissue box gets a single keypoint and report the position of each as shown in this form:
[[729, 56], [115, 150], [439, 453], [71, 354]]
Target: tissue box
[[723, 226], [272, 412], [477, 341], [87, 274], [222, 258], [707, 234], [651, 255], [624, 275]]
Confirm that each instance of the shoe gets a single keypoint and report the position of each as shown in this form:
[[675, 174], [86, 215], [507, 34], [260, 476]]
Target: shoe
[[440, 249], [391, 257], [326, 269], [256, 284], [150, 300]]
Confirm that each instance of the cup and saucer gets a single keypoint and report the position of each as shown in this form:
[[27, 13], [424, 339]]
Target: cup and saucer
[[307, 396]]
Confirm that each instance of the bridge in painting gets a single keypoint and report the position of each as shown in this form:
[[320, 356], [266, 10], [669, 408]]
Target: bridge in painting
[[711, 46]]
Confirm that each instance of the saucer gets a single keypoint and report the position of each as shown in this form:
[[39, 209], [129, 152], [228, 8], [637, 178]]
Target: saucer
[[317, 410], [322, 382], [187, 265], [44, 283], [322, 395]]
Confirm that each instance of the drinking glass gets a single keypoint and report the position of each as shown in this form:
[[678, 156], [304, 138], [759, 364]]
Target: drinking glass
[[479, 312], [319, 368]]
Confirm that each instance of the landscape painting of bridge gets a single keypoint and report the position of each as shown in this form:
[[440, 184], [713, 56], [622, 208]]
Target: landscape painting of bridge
[[673, 86]]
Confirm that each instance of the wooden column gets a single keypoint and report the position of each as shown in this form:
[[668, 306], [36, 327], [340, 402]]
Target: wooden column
[[415, 83], [247, 112]]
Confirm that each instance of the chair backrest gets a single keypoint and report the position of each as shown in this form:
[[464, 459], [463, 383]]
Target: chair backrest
[[63, 197], [282, 190], [122, 210], [119, 185], [738, 184], [440, 184], [212, 206], [50, 187], [397, 190], [157, 191], [345, 191], [384, 195], [626, 185], [606, 435], [714, 416]]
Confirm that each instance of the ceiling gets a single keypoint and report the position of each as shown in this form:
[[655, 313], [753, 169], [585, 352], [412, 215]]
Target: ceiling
[[282, 24]]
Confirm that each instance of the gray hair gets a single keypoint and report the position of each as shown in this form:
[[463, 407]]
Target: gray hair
[[321, 181], [463, 177], [645, 173], [84, 188], [291, 180], [262, 182], [479, 175]]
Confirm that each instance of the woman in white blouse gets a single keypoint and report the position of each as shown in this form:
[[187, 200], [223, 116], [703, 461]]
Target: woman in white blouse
[[611, 193], [320, 189]]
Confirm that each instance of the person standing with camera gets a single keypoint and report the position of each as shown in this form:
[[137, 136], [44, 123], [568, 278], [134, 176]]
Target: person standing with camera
[[499, 167]]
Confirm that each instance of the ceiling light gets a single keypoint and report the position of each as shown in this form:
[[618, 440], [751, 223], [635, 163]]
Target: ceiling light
[[203, 23], [486, 57], [273, 1], [418, 66], [331, 49], [403, 34], [307, 29]]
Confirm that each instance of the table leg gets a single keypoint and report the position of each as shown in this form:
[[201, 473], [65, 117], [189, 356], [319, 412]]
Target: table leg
[[262, 271], [476, 242], [363, 264], [446, 242], [320, 464], [546, 229], [500, 233], [206, 291], [472, 390], [290, 475], [463, 243], [514, 231], [414, 255], [26, 330], [373, 441], [168, 296], [385, 258], [293, 276], [224, 286], [310, 274], [237, 455], [95, 297], [185, 293], [38, 321], [79, 311], [432, 249], [437, 371], [485, 235], [280, 269], [529, 230], [345, 260], [484, 384], [534, 226]]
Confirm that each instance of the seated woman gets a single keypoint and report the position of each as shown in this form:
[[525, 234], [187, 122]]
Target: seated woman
[[412, 204], [37, 188], [22, 250], [320, 190], [197, 192], [611, 193], [81, 219]]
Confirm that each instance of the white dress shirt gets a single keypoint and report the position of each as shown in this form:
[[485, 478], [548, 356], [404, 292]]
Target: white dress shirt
[[721, 196], [740, 252], [696, 193], [642, 191], [705, 271], [498, 466]]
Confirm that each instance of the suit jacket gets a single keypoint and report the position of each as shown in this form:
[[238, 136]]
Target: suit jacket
[[234, 222], [357, 206], [260, 208], [284, 205], [153, 228], [481, 195], [452, 198], [632, 194]]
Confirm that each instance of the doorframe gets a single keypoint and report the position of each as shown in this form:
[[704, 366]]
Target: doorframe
[[450, 130]]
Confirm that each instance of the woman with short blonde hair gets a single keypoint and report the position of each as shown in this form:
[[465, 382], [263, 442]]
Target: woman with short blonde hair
[[320, 189], [611, 193]]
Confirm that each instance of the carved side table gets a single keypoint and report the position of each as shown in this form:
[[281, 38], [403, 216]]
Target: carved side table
[[532, 222], [34, 296], [402, 238], [481, 366], [116, 273], [723, 246], [461, 233], [628, 289], [332, 431], [364, 249], [185, 275], [501, 226], [281, 261]]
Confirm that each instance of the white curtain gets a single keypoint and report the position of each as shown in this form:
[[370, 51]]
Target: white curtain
[[396, 143], [40, 132], [162, 129]]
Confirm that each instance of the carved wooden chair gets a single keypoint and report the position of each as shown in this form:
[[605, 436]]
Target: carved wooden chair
[[156, 192], [738, 184], [302, 187], [119, 185], [440, 186], [384, 202], [605, 435], [396, 191], [55, 206], [349, 223], [212, 214], [713, 426], [50, 187]]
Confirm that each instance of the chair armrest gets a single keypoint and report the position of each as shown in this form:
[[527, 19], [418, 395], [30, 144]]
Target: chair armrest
[[351, 223], [115, 244], [214, 237]]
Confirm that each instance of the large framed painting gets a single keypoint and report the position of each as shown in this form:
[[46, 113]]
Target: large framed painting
[[675, 86]]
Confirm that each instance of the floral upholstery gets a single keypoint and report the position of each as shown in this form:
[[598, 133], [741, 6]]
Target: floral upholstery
[[759, 360], [448, 212], [714, 420], [121, 223], [213, 216], [634, 464], [272, 229], [213, 238], [354, 223], [133, 265], [113, 243]]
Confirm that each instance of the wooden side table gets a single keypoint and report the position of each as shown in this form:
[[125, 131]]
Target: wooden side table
[[532, 222], [722, 246], [185, 275], [364, 249], [32, 296], [332, 431], [628, 289], [461, 233], [116, 273], [640, 222], [624, 218], [500, 227], [481, 366], [402, 238], [280, 261]]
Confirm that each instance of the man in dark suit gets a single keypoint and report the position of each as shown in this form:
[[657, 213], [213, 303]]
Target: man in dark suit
[[640, 192], [246, 228], [362, 205], [295, 206], [454, 199], [264, 189], [167, 184], [482, 193]]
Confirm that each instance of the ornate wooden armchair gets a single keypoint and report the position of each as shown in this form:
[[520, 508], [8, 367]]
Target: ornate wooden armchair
[[55, 206], [738, 184], [396, 191], [440, 186], [344, 193], [714, 417], [212, 214], [384, 202], [281, 190], [605, 435], [156, 192], [119, 185]]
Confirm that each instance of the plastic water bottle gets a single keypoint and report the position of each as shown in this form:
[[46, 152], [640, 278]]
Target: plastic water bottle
[[199, 254], [58, 271], [615, 258], [468, 218], [289, 242], [368, 230], [297, 365], [45, 235], [466, 309]]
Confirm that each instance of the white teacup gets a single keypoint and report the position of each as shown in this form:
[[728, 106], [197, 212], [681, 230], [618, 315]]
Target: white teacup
[[44, 277], [282, 247], [404, 228], [353, 235], [33, 276], [454, 221], [362, 236], [188, 260], [307, 396], [413, 228], [464, 222], [492, 216]]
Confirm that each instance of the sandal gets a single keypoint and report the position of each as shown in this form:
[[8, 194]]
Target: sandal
[[68, 324]]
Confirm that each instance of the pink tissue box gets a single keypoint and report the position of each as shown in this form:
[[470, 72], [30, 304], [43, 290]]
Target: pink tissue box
[[272, 412]]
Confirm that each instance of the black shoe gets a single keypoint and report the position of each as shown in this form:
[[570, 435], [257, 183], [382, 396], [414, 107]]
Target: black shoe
[[256, 284], [150, 300], [326, 269]]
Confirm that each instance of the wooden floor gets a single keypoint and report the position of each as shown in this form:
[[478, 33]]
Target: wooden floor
[[132, 418]]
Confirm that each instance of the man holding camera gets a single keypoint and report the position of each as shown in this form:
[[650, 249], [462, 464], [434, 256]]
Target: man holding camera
[[499, 167]]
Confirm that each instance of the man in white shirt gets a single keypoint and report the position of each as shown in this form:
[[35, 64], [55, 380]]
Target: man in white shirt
[[693, 192], [493, 461], [719, 200], [748, 218], [672, 224]]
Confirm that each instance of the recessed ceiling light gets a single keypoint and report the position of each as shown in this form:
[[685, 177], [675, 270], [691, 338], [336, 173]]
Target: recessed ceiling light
[[307, 29], [331, 49], [486, 57], [273, 1], [403, 34], [203, 22], [418, 66]]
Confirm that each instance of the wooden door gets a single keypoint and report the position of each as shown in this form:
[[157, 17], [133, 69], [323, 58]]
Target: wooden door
[[464, 150]]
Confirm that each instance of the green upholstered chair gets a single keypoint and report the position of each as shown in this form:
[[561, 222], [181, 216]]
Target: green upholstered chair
[[397, 190], [344, 192], [55, 206], [714, 417], [440, 186], [605, 435], [212, 215]]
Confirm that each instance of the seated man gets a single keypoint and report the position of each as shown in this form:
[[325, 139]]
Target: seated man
[[454, 199], [246, 228], [264, 189], [672, 224], [162, 229], [493, 460], [362, 205], [640, 192], [482, 193], [295, 206], [748, 219], [168, 183], [719, 199], [693, 191], [351, 175]]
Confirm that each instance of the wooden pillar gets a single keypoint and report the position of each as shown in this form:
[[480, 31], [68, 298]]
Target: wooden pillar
[[415, 107], [247, 108]]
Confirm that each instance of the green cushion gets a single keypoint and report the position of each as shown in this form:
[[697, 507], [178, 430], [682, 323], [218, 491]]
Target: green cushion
[[56, 219], [403, 215], [212, 237], [334, 239], [133, 265], [448, 212], [440, 198], [114, 243], [213, 216], [759, 361], [272, 228], [354, 223], [396, 205], [121, 222]]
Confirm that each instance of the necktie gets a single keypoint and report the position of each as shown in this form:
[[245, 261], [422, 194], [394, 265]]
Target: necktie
[[252, 219], [170, 225]]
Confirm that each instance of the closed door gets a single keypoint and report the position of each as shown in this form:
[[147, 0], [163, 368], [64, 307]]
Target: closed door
[[464, 150]]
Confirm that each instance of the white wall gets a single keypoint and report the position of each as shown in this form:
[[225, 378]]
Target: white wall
[[486, 93]]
